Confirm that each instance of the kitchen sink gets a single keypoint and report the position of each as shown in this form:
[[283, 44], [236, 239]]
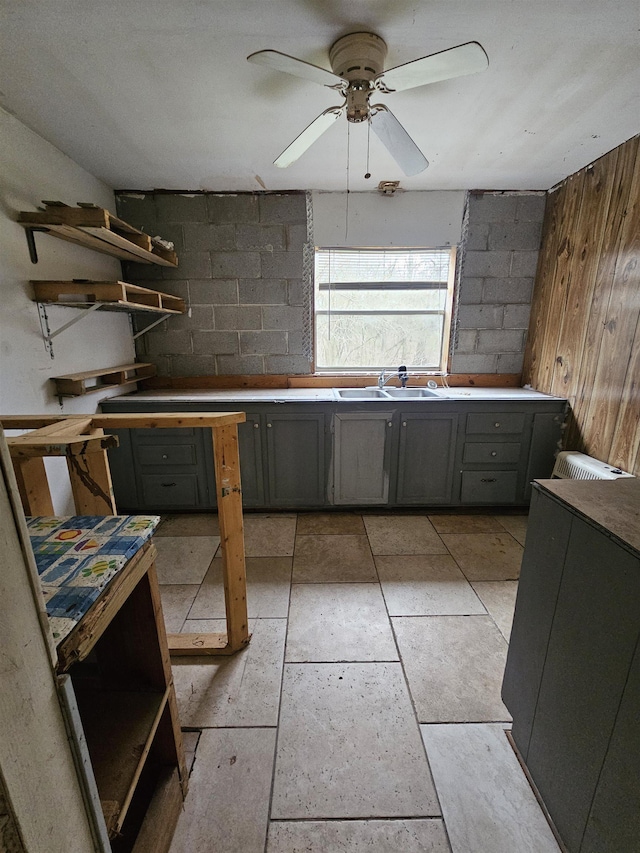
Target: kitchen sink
[[411, 392], [361, 393]]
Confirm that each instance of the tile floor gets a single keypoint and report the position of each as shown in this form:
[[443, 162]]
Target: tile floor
[[365, 714]]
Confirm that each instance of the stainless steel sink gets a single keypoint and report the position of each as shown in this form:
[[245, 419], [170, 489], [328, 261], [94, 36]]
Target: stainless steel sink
[[361, 393], [411, 392]]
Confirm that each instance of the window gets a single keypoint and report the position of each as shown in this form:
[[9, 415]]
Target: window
[[378, 308]]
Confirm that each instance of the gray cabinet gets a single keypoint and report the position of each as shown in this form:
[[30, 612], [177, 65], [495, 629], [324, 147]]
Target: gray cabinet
[[362, 457], [295, 445], [251, 452], [426, 458], [572, 680]]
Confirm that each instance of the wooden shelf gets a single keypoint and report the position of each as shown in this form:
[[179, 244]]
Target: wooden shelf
[[96, 228], [109, 295], [90, 381], [119, 728]]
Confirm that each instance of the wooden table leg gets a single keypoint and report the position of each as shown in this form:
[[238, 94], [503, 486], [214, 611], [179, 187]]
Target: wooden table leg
[[33, 486], [91, 485]]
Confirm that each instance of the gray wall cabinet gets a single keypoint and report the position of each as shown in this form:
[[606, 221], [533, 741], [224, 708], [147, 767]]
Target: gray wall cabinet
[[314, 454], [572, 680]]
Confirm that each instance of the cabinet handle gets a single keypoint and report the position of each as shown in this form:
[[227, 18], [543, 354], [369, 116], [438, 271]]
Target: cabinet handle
[[497, 425], [256, 426], [167, 485], [164, 456], [494, 452], [268, 426], [389, 423], [488, 480], [404, 423]]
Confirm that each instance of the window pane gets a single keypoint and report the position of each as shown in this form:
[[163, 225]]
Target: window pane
[[353, 265], [381, 300], [377, 341]]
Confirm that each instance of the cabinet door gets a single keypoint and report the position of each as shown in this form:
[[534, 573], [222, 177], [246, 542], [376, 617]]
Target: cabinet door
[[426, 456], [361, 457], [251, 467], [295, 459]]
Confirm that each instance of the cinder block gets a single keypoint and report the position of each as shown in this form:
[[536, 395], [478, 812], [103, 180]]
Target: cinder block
[[163, 365], [478, 236], [235, 265], [516, 316], [480, 316], [287, 364], [492, 207], [204, 237], [262, 292], [201, 318], [193, 365], [263, 343], [466, 341], [487, 264], [138, 209], [233, 207], [515, 236], [524, 264], [177, 207], [173, 288], [214, 292], [296, 237], [215, 343], [530, 207], [295, 342], [265, 237], [510, 362], [282, 264], [141, 273], [190, 265], [470, 292], [236, 365], [168, 343], [283, 207], [238, 317], [282, 317], [502, 340], [481, 363], [296, 292], [507, 290]]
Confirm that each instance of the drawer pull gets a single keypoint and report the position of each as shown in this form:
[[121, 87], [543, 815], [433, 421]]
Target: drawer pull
[[497, 425], [488, 480], [404, 423], [389, 423], [494, 452], [167, 485], [269, 426], [164, 456], [256, 426]]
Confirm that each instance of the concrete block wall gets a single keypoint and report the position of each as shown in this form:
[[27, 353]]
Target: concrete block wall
[[240, 271], [499, 267]]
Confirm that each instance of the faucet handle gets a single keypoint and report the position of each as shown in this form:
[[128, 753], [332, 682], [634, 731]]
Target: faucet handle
[[403, 376]]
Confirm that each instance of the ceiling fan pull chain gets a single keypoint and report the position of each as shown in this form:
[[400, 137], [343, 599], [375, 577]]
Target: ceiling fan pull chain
[[346, 217], [367, 174]]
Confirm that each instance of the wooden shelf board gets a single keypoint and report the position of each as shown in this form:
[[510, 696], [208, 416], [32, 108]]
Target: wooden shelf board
[[119, 728], [75, 384]]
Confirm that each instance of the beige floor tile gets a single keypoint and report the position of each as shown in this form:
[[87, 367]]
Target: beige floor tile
[[516, 525], [487, 803], [402, 534], [185, 559], [268, 535], [339, 622], [348, 745], [454, 667], [426, 585], [499, 597], [189, 524], [333, 559], [176, 602], [485, 556], [240, 690], [358, 836], [466, 523], [227, 807], [329, 522], [268, 586]]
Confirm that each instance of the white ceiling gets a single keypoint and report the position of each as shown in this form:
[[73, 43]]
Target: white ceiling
[[159, 94]]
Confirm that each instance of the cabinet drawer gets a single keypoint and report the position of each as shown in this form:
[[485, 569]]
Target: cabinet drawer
[[485, 453], [164, 490], [167, 454], [153, 436], [489, 487], [496, 423]]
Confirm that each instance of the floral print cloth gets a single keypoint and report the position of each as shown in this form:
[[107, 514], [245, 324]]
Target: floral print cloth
[[76, 557]]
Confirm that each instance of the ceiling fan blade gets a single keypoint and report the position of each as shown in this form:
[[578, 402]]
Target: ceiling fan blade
[[308, 136], [397, 141], [457, 61], [291, 65]]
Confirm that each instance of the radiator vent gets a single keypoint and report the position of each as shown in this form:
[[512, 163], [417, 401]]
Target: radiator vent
[[571, 465]]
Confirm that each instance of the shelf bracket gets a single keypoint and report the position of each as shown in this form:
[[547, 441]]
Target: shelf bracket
[[150, 326], [31, 242], [48, 335]]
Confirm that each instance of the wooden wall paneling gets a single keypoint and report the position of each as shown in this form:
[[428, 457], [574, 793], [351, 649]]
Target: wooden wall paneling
[[625, 450], [545, 277], [587, 235]]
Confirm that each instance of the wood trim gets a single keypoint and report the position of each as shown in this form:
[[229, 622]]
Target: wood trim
[[33, 486]]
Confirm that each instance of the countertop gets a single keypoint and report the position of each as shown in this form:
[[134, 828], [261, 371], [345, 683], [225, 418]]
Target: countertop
[[320, 395]]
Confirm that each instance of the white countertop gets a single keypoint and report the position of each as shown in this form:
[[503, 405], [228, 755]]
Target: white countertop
[[320, 395]]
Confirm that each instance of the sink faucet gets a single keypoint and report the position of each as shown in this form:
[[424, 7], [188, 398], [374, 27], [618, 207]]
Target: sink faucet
[[402, 376]]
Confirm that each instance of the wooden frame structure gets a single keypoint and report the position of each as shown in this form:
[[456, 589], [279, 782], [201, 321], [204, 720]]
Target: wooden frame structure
[[82, 440]]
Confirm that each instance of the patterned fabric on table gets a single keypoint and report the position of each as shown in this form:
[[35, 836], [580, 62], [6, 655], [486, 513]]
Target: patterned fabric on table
[[76, 557]]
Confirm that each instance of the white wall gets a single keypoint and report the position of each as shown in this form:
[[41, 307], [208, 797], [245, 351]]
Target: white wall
[[431, 219], [33, 170]]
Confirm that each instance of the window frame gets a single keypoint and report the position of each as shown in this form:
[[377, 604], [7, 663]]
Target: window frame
[[446, 312]]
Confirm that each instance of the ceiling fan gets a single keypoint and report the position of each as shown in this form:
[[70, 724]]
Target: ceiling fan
[[357, 63]]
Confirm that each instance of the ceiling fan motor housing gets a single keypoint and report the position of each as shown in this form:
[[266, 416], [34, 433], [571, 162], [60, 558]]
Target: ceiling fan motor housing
[[358, 58]]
